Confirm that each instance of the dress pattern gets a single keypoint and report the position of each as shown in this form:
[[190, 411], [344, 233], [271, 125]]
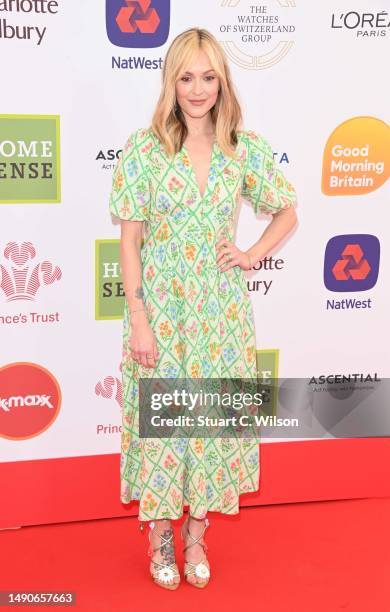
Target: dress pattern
[[202, 317]]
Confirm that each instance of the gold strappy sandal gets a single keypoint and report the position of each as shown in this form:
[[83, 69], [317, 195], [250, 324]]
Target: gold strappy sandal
[[200, 569], [162, 573]]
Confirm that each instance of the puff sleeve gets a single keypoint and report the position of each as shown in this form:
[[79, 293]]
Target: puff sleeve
[[264, 184], [130, 193]]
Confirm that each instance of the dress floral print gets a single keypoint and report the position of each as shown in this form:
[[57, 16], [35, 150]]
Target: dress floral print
[[202, 317]]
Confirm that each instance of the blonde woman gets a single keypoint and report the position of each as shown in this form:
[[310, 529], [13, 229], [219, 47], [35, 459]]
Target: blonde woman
[[187, 310]]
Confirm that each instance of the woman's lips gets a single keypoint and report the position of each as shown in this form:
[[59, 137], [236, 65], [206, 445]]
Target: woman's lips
[[197, 102]]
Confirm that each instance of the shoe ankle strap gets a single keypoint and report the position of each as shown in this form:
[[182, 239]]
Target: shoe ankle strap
[[196, 539]]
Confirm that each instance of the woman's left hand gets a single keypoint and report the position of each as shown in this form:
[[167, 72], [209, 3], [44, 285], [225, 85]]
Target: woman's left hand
[[228, 255]]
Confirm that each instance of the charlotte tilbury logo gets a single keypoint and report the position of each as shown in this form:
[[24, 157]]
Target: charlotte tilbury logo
[[20, 277]]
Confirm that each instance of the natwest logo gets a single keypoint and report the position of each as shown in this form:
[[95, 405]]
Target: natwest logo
[[351, 262], [137, 23], [21, 278], [30, 399]]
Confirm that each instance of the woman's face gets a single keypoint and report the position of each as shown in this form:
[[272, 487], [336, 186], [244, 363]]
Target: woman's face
[[197, 87]]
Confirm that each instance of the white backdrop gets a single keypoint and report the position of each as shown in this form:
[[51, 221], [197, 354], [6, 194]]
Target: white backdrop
[[309, 79]]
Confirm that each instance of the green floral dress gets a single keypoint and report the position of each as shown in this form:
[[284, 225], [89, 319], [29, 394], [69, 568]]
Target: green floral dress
[[202, 318]]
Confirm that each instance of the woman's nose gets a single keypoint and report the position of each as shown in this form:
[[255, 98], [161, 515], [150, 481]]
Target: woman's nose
[[198, 87]]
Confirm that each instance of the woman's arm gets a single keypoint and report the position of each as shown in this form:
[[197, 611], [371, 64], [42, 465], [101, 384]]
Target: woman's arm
[[142, 339], [130, 254], [229, 255], [282, 222]]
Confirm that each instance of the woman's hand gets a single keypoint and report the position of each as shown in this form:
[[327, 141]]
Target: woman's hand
[[142, 342], [229, 255]]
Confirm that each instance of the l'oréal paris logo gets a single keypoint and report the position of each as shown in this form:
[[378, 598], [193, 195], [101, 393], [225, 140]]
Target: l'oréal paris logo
[[362, 24]]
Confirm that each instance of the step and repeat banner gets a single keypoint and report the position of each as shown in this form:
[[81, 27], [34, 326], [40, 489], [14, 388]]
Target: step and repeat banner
[[77, 78]]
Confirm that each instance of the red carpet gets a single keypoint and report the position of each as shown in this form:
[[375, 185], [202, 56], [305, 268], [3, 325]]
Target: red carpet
[[309, 557]]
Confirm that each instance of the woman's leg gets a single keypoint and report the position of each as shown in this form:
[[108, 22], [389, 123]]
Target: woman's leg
[[161, 532], [196, 550]]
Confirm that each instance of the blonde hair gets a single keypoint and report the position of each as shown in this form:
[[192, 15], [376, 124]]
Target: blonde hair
[[168, 123]]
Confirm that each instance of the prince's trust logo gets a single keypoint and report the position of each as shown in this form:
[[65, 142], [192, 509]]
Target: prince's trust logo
[[257, 36], [111, 388], [21, 278]]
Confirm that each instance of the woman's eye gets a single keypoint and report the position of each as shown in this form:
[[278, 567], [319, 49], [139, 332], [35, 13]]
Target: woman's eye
[[208, 78]]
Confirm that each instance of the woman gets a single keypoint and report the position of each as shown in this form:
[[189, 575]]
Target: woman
[[188, 312]]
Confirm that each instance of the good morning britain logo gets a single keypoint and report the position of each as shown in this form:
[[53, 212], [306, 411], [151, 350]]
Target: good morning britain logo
[[356, 158], [30, 159]]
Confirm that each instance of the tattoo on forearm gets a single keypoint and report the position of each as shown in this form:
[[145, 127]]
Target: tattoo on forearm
[[139, 293]]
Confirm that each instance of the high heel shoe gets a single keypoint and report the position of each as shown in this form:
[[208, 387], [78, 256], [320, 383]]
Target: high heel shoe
[[200, 569], [162, 573]]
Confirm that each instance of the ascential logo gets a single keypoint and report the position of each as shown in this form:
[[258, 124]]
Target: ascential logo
[[137, 23]]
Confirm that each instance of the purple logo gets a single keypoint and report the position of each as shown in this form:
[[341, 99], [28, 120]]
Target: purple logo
[[137, 23], [351, 262]]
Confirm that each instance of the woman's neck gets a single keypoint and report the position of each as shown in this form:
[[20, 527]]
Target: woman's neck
[[199, 128]]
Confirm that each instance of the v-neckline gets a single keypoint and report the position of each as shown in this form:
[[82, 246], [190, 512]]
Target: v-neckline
[[192, 170]]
